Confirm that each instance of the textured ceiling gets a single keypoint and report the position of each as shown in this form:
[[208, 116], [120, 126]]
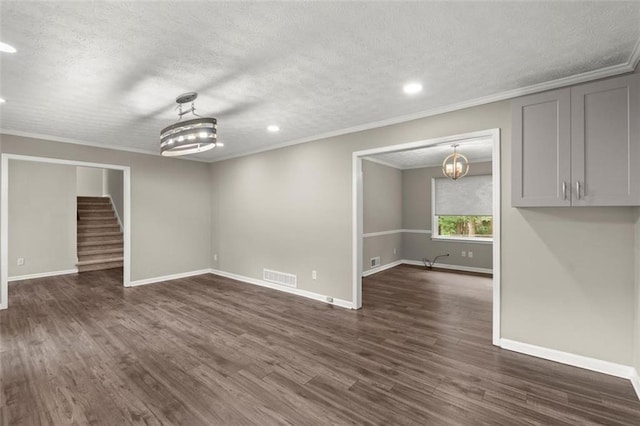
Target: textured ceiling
[[107, 73], [475, 151]]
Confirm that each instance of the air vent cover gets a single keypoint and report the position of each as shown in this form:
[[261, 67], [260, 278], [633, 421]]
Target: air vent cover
[[282, 278]]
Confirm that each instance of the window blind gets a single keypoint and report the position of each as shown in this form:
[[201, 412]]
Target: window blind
[[468, 196]]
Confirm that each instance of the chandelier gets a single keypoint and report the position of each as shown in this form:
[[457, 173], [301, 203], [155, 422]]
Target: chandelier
[[455, 165], [190, 136]]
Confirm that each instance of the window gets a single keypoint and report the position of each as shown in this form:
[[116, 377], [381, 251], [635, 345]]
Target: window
[[462, 209]]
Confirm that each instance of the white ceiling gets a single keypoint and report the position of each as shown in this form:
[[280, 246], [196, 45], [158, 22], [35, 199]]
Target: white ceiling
[[476, 151], [107, 73]]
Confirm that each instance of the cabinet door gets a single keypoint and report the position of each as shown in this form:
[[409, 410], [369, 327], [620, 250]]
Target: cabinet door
[[541, 150], [605, 142]]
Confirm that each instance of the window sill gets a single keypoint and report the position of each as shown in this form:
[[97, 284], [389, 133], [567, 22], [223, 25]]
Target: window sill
[[463, 240]]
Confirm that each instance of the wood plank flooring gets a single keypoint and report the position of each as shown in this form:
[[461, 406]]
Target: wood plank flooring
[[206, 350]]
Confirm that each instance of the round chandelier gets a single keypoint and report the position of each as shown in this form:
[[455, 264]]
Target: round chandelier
[[455, 165], [190, 136]]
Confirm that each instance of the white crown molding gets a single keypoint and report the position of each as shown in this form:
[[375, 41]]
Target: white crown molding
[[291, 290], [91, 144], [42, 275], [593, 364], [611, 71], [168, 277]]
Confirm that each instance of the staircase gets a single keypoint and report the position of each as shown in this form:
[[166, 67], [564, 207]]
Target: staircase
[[100, 243]]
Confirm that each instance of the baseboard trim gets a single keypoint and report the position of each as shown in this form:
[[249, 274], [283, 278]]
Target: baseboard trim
[[635, 382], [291, 290], [43, 275], [381, 268], [168, 277], [593, 364], [451, 267]]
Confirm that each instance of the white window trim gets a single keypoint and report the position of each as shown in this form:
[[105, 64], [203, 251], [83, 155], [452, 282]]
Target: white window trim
[[434, 225]]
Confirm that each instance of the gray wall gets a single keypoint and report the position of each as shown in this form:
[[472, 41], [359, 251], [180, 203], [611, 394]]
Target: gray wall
[[89, 182], [382, 211], [416, 214], [290, 209], [170, 204], [42, 217], [113, 185]]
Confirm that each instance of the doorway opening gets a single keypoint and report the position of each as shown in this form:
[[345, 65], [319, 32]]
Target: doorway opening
[[468, 223], [64, 220]]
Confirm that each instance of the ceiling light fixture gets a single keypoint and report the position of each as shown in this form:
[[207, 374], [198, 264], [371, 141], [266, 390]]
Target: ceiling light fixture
[[273, 128], [2, 101], [455, 165], [7, 48], [412, 88], [191, 136]]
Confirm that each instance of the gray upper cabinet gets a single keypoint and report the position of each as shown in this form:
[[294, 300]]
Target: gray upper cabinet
[[541, 150], [605, 148], [578, 146]]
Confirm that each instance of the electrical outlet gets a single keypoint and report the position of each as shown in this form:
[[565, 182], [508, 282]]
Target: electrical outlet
[[314, 275], [463, 254], [215, 257], [470, 254], [395, 250], [20, 261]]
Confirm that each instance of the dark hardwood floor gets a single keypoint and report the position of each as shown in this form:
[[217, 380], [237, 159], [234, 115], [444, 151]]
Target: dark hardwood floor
[[80, 349]]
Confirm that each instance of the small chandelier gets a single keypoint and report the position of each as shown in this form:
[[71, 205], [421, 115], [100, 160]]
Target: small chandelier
[[455, 165], [190, 136]]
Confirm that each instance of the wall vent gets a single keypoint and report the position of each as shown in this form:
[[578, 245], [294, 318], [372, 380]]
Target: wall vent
[[282, 278], [375, 261]]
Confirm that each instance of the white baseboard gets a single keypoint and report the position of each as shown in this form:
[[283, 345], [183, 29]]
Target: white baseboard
[[298, 292], [419, 263], [168, 277], [381, 268], [635, 382], [42, 275], [451, 267], [593, 364]]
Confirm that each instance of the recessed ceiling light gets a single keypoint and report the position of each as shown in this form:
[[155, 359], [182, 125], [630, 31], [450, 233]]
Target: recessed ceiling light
[[412, 88], [2, 101], [273, 128], [7, 48]]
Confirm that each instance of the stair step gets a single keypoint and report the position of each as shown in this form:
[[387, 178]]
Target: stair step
[[98, 233], [99, 238], [111, 243], [83, 199], [107, 227], [95, 251], [96, 221], [95, 207], [100, 266], [93, 213], [95, 262]]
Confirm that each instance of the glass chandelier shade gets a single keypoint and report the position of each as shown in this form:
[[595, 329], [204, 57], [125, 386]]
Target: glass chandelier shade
[[455, 165]]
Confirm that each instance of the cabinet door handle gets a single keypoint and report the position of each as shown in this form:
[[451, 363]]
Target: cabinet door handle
[[578, 189], [564, 190]]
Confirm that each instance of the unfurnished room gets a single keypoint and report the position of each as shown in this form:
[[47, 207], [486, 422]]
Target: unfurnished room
[[319, 212]]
